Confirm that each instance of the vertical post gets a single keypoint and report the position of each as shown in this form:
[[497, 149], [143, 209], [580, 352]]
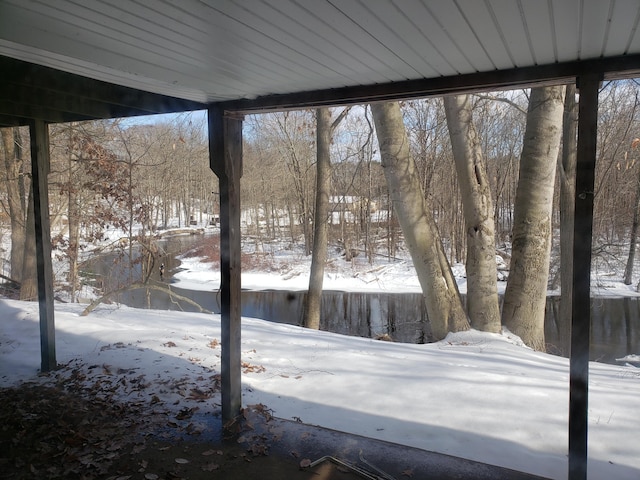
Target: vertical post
[[225, 155], [581, 302], [39, 137]]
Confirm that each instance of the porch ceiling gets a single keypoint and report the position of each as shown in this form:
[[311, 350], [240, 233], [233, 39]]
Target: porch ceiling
[[149, 56]]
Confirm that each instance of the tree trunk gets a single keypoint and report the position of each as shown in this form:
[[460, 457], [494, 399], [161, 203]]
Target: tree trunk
[[14, 164], [442, 299], [29, 285], [73, 219], [633, 237], [482, 289], [320, 230], [324, 132], [567, 170], [526, 293]]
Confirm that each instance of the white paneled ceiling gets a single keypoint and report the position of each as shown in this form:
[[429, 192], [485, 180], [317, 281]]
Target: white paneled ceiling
[[219, 50]]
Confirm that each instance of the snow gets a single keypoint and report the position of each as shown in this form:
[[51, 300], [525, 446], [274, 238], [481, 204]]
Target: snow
[[476, 395]]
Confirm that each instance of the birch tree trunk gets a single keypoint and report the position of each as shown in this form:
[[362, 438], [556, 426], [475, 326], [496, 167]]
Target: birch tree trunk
[[526, 293], [483, 307], [440, 291]]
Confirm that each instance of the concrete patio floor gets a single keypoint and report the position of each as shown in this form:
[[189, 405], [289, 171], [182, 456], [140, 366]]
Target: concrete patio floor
[[299, 443]]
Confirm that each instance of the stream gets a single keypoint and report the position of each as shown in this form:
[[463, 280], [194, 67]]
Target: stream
[[615, 322]]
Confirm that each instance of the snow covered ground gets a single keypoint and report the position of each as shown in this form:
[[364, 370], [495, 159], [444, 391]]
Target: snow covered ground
[[480, 396]]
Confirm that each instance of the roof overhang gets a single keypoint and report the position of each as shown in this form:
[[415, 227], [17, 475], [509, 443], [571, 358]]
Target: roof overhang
[[64, 60]]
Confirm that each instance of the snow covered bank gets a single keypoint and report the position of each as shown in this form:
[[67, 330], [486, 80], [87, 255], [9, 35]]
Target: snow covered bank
[[475, 395]]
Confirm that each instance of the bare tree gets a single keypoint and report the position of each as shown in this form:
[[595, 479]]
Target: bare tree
[[633, 236], [324, 132], [12, 149], [442, 299], [482, 290], [526, 292], [567, 173], [29, 284]]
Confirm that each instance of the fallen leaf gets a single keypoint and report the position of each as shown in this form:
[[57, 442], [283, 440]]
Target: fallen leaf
[[210, 467], [151, 476], [138, 448], [407, 473], [208, 452], [182, 460]]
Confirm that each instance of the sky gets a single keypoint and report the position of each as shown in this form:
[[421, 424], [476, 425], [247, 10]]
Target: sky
[[481, 396]]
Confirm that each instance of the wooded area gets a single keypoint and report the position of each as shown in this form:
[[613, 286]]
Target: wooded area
[[145, 176]]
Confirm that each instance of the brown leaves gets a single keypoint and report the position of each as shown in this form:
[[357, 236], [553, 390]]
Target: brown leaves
[[51, 433], [185, 413], [210, 467], [249, 368]]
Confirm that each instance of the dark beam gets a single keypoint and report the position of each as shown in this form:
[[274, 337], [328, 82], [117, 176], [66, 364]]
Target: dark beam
[[551, 74], [225, 155], [67, 103], [39, 133], [24, 112], [82, 97], [588, 86], [11, 121]]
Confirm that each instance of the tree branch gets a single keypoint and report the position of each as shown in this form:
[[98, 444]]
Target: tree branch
[[135, 285]]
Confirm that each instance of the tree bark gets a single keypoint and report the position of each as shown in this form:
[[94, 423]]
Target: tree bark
[[482, 289], [324, 132], [29, 285], [14, 164], [320, 227], [442, 299], [567, 171], [633, 237], [526, 293]]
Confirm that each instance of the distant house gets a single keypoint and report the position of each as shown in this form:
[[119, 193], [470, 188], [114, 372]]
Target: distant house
[[351, 203], [347, 208]]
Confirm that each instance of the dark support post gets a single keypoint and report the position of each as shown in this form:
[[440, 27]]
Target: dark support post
[[39, 134], [225, 154], [588, 86]]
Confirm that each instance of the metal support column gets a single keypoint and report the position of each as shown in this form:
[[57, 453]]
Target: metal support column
[[39, 133], [581, 305], [225, 155]]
